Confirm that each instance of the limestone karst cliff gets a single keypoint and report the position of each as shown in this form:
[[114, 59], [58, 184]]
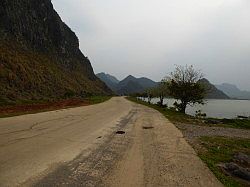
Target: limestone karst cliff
[[40, 56]]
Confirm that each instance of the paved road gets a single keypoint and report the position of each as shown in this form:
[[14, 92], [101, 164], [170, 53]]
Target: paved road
[[80, 147]]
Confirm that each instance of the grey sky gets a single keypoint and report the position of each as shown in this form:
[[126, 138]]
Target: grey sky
[[147, 37]]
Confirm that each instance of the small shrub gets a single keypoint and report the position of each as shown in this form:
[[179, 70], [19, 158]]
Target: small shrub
[[69, 93], [199, 114]]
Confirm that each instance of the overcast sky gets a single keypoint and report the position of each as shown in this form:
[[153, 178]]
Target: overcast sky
[[148, 37]]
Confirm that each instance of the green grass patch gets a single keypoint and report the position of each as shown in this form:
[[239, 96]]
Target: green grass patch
[[232, 123], [221, 150], [178, 117]]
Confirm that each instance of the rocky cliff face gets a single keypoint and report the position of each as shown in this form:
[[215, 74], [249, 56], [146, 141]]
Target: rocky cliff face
[[39, 54], [34, 22]]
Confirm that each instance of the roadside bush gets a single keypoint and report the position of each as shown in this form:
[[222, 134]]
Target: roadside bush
[[69, 93], [199, 114]]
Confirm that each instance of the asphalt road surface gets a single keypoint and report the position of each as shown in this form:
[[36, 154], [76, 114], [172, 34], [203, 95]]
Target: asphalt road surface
[[116, 143]]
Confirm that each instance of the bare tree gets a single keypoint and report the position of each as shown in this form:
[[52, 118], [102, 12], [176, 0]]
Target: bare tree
[[150, 94], [183, 85], [161, 91]]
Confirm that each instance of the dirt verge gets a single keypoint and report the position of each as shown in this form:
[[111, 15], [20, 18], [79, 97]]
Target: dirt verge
[[6, 111]]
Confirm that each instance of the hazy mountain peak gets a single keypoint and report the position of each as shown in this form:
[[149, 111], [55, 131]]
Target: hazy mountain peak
[[128, 85], [233, 91], [232, 86], [130, 77], [213, 92], [108, 76]]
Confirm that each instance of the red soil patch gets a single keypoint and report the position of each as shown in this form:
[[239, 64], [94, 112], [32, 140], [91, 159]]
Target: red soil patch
[[36, 107]]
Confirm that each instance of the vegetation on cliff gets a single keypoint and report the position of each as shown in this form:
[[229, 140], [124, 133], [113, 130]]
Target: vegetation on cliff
[[40, 57]]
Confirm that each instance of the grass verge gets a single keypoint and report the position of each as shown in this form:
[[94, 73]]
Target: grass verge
[[221, 150], [177, 117]]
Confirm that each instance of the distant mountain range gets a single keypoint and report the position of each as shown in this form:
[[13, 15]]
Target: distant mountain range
[[128, 85], [132, 84], [233, 91]]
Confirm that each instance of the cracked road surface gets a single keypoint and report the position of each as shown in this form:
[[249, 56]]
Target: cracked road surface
[[80, 147]]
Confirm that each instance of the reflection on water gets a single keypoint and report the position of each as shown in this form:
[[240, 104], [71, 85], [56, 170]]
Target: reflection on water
[[217, 108]]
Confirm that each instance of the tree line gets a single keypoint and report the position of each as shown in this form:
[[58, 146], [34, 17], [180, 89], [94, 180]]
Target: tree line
[[183, 85]]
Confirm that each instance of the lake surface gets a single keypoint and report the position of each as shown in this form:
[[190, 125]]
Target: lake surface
[[217, 108]]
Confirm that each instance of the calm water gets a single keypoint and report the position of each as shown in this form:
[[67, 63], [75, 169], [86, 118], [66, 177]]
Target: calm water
[[217, 108]]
